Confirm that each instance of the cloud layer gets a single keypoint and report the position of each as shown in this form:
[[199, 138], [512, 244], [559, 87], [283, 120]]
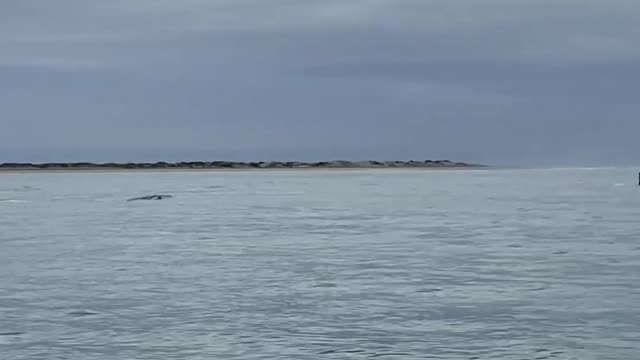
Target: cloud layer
[[504, 81]]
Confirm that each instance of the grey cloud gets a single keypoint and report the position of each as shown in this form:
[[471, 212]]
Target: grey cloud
[[548, 81], [493, 80], [538, 30]]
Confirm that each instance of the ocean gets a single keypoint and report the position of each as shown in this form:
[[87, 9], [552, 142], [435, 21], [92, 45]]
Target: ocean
[[321, 264]]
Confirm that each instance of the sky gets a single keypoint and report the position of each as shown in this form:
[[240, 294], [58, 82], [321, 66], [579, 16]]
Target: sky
[[518, 82]]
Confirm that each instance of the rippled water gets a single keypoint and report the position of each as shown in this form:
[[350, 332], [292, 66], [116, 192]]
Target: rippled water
[[482, 264]]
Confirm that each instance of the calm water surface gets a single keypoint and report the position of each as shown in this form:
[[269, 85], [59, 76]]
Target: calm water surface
[[483, 264]]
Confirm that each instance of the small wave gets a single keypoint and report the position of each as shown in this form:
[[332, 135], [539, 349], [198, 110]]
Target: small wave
[[28, 188], [25, 188], [389, 354], [201, 190], [12, 333], [429, 290], [325, 285], [336, 351], [81, 313], [618, 185], [13, 201], [583, 168]]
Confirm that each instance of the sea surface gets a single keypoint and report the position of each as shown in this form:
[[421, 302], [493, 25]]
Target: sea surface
[[373, 264]]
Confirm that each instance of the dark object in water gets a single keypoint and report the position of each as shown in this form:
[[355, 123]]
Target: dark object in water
[[151, 197]]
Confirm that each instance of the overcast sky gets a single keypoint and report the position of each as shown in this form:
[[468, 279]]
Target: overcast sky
[[496, 81]]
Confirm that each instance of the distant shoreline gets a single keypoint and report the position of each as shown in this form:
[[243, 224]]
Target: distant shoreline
[[234, 165]]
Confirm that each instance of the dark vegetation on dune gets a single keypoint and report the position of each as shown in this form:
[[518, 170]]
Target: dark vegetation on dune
[[237, 165]]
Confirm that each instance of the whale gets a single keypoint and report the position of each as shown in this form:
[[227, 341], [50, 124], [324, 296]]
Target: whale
[[151, 197]]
